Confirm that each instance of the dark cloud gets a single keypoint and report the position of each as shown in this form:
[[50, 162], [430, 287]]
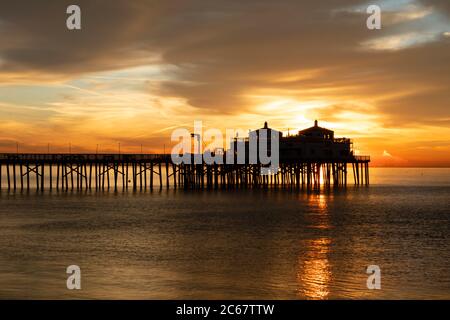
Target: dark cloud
[[441, 5]]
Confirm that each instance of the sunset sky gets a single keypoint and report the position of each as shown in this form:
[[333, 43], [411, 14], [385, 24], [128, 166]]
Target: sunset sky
[[139, 69]]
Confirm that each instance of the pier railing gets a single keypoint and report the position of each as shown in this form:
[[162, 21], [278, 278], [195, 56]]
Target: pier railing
[[362, 158], [99, 157]]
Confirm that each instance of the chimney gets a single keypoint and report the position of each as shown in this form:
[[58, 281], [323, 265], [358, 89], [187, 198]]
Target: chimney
[[265, 125], [315, 123]]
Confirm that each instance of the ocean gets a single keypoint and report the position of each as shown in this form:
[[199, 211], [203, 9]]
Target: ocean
[[232, 244]]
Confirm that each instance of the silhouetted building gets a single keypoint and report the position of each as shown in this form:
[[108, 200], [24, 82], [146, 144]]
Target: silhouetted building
[[315, 143], [312, 144], [261, 137]]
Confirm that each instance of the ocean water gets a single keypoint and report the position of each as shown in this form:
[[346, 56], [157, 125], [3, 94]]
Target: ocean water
[[233, 244]]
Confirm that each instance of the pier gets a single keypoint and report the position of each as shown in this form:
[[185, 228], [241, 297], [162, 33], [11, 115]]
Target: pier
[[309, 159], [22, 171]]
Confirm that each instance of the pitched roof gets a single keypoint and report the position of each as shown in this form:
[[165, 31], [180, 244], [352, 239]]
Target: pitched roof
[[315, 128], [312, 129]]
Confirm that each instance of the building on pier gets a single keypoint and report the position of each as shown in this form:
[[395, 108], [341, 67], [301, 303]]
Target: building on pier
[[315, 143], [312, 144]]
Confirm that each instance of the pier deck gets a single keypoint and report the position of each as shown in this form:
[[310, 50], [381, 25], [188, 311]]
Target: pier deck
[[63, 171]]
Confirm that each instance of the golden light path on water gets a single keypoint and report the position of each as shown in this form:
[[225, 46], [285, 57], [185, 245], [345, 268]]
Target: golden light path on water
[[314, 274]]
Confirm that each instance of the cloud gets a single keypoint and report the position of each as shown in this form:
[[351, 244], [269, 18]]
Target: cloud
[[386, 154], [217, 57], [222, 50], [441, 5]]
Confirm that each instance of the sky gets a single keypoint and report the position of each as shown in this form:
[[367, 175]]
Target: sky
[[137, 70]]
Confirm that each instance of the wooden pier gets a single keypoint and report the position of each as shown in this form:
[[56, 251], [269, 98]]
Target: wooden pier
[[148, 171]]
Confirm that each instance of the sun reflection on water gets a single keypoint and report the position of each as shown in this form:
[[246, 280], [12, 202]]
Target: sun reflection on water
[[314, 275]]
